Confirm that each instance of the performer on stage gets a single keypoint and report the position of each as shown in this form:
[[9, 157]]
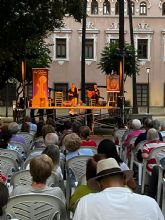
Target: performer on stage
[[94, 93], [73, 94]]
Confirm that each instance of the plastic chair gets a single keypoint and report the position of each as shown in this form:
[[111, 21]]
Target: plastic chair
[[119, 134], [77, 165], [28, 139], [128, 149], [36, 207], [23, 177], [153, 154], [8, 167], [20, 147], [12, 154], [136, 162]]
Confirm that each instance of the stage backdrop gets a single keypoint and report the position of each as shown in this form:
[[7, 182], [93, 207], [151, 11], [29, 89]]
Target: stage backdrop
[[113, 83], [40, 87]]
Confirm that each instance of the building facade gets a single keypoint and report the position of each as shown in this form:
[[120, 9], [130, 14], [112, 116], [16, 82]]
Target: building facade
[[103, 27]]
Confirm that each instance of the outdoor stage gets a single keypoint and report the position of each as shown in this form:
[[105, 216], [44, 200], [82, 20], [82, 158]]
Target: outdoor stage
[[76, 107]]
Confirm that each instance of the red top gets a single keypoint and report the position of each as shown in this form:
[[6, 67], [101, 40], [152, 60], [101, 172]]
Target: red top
[[89, 143]]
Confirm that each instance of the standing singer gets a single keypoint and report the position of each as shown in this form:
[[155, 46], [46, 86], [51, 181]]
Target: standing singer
[[73, 94]]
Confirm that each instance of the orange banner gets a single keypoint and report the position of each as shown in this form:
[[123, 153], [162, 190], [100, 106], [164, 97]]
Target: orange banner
[[113, 83], [40, 87]]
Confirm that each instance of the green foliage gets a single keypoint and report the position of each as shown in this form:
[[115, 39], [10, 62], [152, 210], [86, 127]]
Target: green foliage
[[111, 56], [23, 26]]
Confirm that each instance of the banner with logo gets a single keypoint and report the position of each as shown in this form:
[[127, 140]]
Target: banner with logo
[[40, 87]]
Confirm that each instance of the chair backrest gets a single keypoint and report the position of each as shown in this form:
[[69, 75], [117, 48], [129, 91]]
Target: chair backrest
[[28, 138], [36, 207], [20, 147], [119, 134], [156, 151], [8, 167], [139, 146], [23, 177], [11, 154], [78, 165]]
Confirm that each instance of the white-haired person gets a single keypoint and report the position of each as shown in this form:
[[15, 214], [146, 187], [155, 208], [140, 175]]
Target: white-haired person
[[136, 130], [14, 130], [114, 201], [151, 143]]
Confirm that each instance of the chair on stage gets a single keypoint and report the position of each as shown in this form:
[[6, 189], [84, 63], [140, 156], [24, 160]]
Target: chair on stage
[[36, 206], [59, 98], [92, 102]]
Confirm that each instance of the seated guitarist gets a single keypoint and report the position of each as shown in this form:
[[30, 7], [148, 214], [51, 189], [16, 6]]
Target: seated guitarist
[[96, 93], [73, 94]]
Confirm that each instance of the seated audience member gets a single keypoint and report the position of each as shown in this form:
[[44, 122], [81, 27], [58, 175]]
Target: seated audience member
[[32, 126], [115, 201], [51, 138], [72, 144], [119, 128], [53, 152], [66, 130], [152, 142], [85, 189], [40, 169], [38, 138], [162, 129], [14, 129], [25, 127], [51, 121], [4, 197], [136, 126], [76, 127], [108, 148], [148, 123], [5, 137], [85, 137]]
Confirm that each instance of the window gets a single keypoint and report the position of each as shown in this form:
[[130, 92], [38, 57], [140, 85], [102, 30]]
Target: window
[[114, 41], [89, 49], [60, 48], [142, 48], [132, 7], [117, 8], [106, 7], [163, 8], [94, 7], [143, 8], [142, 94], [62, 87]]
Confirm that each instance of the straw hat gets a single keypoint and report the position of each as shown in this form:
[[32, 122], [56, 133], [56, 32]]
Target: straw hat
[[108, 167]]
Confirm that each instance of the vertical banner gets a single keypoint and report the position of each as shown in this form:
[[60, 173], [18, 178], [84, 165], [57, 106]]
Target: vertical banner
[[113, 84], [40, 87]]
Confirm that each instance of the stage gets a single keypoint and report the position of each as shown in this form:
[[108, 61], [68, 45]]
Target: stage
[[76, 107]]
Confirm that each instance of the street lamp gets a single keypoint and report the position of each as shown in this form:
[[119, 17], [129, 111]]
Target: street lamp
[[148, 103]]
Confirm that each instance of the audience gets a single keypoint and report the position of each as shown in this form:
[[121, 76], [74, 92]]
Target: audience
[[148, 123], [53, 152], [40, 169], [85, 137], [14, 129], [115, 201], [72, 144], [108, 148], [162, 129], [152, 142], [25, 127]]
